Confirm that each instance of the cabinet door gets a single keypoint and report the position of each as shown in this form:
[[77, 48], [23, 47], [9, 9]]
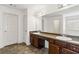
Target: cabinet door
[[53, 49], [31, 39], [35, 41], [67, 51], [73, 47], [41, 43]]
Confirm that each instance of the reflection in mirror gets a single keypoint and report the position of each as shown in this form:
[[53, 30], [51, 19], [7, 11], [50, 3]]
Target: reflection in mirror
[[52, 24], [72, 25]]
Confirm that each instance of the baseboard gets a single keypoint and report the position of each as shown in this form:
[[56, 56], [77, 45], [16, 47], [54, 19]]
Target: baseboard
[[2, 47]]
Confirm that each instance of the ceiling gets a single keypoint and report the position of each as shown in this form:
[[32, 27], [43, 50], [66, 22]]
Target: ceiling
[[24, 6]]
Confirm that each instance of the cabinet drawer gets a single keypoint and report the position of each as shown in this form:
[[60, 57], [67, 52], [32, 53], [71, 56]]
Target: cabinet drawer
[[33, 36], [41, 37], [53, 49], [73, 47], [51, 41], [67, 51], [60, 43]]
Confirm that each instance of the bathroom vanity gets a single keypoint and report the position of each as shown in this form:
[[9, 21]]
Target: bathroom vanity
[[56, 46], [64, 21]]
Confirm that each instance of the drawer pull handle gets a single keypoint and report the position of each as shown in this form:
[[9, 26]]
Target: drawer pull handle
[[74, 48]]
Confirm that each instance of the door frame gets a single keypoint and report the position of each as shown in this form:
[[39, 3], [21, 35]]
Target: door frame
[[24, 27], [17, 23]]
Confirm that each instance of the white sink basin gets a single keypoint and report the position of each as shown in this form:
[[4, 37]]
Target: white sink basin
[[63, 38]]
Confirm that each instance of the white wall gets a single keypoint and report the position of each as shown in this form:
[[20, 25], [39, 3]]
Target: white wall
[[20, 14]]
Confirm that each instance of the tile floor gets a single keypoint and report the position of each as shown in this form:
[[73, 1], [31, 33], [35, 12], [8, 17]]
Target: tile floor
[[22, 49]]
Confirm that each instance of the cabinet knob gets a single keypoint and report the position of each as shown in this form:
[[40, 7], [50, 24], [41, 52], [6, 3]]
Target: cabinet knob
[[74, 48]]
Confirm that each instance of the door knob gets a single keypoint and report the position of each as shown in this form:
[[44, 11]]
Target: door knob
[[5, 31], [25, 30]]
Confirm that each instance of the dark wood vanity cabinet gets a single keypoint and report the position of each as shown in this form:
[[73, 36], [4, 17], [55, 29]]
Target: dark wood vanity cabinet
[[60, 47], [36, 41], [73, 47], [31, 39], [60, 43], [55, 46], [68, 51], [53, 49]]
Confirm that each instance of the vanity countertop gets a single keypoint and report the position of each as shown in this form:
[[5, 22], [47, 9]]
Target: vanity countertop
[[75, 40]]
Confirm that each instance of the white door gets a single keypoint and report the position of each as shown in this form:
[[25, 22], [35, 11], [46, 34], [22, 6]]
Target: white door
[[10, 29]]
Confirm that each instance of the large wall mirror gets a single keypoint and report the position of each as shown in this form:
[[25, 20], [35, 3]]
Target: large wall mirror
[[63, 25], [72, 25], [52, 24]]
